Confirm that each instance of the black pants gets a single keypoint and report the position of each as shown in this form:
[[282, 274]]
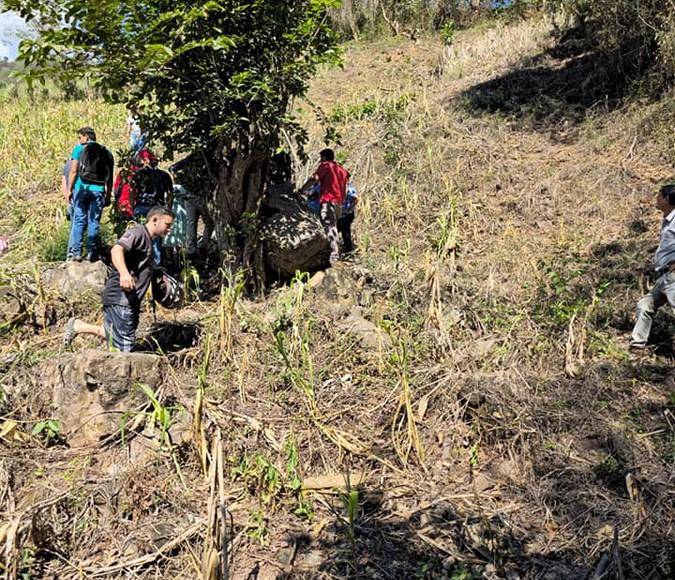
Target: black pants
[[344, 226]]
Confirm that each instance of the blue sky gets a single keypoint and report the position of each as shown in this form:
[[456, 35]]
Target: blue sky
[[12, 27]]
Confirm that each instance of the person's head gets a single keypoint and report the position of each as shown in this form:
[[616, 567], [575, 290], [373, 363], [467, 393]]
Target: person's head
[[159, 221], [147, 158], [327, 155], [665, 198], [86, 134]]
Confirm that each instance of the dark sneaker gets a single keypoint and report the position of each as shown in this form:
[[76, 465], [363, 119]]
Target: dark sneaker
[[92, 257], [74, 259]]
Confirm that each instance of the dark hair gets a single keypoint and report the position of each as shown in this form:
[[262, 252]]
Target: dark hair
[[88, 131], [327, 154], [159, 210], [668, 191]]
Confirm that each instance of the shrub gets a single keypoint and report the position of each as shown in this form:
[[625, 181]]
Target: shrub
[[640, 36]]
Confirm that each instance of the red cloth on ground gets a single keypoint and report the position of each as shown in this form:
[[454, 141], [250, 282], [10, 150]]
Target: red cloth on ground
[[333, 179]]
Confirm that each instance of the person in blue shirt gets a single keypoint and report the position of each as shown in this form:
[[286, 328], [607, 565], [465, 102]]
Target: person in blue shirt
[[88, 199]]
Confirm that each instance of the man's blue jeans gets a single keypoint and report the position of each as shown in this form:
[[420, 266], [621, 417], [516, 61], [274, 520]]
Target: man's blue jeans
[[662, 293], [87, 207]]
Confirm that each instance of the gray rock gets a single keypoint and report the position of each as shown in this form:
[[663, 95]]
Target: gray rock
[[75, 278], [93, 390], [293, 236], [12, 308], [370, 336]]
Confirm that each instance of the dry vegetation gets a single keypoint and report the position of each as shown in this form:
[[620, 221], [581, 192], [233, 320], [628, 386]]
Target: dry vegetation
[[495, 426]]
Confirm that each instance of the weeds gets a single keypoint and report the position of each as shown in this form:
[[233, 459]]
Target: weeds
[[49, 431]]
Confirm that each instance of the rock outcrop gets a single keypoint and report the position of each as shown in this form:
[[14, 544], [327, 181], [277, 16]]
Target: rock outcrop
[[72, 279], [293, 236], [94, 392], [12, 308]]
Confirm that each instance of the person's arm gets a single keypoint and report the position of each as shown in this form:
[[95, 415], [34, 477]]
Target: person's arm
[[72, 177], [109, 183], [117, 257], [65, 189], [310, 183]]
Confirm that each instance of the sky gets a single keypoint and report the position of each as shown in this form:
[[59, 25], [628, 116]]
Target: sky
[[11, 27]]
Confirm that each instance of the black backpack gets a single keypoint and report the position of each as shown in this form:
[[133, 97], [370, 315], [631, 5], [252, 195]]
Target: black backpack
[[95, 164], [166, 290]]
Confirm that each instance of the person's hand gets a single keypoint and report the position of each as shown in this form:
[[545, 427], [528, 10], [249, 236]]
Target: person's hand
[[127, 282]]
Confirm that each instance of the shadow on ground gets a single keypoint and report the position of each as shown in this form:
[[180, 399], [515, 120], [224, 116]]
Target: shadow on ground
[[555, 89], [168, 336]]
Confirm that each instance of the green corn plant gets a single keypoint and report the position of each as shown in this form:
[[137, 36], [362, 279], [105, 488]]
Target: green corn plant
[[161, 416], [230, 291], [291, 333]]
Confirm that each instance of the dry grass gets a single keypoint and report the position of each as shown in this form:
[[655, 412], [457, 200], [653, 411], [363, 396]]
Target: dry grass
[[503, 428]]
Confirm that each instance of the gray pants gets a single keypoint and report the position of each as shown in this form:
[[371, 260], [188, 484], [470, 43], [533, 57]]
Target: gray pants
[[661, 293], [194, 209], [330, 213]]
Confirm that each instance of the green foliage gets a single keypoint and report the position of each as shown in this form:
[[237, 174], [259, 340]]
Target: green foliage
[[385, 109], [291, 331], [197, 73], [448, 32], [257, 529], [609, 469], [260, 475], [49, 431]]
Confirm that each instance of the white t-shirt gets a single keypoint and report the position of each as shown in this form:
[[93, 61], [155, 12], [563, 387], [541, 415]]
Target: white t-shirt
[[134, 125]]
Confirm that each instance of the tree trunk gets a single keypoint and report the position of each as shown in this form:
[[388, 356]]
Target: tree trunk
[[236, 201]]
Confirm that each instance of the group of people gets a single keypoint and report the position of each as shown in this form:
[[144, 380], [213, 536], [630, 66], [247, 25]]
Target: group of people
[[152, 211], [88, 186]]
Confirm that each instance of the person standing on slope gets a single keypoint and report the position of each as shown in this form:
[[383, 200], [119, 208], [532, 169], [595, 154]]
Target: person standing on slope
[[125, 288], [333, 179], [90, 182], [663, 290]]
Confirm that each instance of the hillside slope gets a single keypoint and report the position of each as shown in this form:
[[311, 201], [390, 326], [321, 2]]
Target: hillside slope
[[468, 370]]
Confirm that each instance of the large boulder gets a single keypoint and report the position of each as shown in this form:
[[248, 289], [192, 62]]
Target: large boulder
[[94, 392], [293, 236], [72, 279]]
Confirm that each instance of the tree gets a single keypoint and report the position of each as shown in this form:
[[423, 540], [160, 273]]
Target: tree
[[211, 78]]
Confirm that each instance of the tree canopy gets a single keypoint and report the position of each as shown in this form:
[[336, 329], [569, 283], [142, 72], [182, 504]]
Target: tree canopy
[[198, 72]]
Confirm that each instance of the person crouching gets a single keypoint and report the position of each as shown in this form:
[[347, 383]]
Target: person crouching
[[125, 288]]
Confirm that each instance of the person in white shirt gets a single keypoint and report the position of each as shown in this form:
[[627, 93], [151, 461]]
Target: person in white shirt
[[134, 133]]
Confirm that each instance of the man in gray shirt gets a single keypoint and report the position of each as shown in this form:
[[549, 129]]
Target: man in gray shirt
[[663, 290], [126, 284]]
